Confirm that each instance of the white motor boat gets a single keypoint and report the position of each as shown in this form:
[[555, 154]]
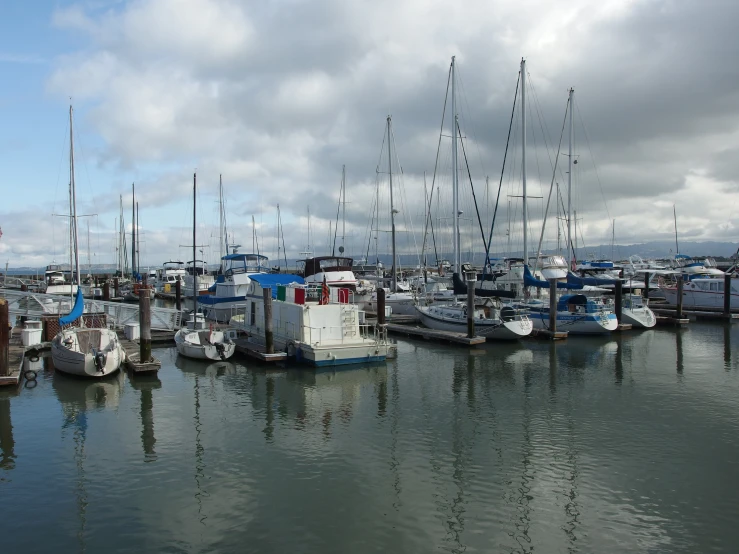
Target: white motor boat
[[197, 341], [231, 287], [705, 292]]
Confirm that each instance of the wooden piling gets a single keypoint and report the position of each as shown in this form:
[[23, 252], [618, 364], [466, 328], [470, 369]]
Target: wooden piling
[[178, 294], [4, 338], [116, 287], [618, 299], [106, 290], [470, 278], [553, 305], [144, 327], [380, 306], [680, 284], [268, 335], [645, 292], [727, 294]]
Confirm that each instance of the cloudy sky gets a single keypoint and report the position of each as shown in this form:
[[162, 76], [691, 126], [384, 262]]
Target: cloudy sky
[[278, 95]]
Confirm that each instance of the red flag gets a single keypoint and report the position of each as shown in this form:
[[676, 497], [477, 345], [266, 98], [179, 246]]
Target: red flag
[[325, 296]]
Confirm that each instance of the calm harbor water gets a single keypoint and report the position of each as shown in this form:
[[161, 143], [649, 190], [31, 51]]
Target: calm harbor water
[[627, 443]]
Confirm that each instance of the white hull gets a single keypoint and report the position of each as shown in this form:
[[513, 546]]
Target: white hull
[[71, 352], [204, 344], [700, 298], [491, 329], [401, 303], [587, 324], [639, 317]]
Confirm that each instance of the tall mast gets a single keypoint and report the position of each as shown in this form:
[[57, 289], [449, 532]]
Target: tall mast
[[674, 215], [74, 201], [392, 207], [138, 241], [455, 177], [570, 253], [343, 207], [220, 214], [523, 164], [89, 257], [194, 244], [613, 238], [133, 230]]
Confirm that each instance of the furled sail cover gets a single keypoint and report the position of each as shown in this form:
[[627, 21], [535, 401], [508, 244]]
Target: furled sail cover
[[530, 281], [79, 307]]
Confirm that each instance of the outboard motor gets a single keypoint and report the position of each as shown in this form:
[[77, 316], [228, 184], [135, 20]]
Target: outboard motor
[[100, 359], [221, 349]]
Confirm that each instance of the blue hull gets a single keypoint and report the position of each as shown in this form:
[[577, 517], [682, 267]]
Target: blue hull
[[348, 361]]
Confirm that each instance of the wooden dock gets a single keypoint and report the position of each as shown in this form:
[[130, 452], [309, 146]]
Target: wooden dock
[[395, 318], [132, 361], [667, 310], [432, 334], [547, 334], [248, 348], [16, 353], [667, 321]]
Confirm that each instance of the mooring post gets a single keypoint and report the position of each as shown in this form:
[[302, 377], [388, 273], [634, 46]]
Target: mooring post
[[618, 290], [116, 287], [4, 337], [178, 294], [727, 294], [470, 278], [380, 306], [106, 290], [144, 327], [553, 305], [645, 292], [268, 336], [680, 285]]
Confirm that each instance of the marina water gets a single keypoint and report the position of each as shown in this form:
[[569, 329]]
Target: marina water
[[624, 443]]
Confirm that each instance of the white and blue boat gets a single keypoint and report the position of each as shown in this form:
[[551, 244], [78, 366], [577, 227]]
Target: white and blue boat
[[576, 313], [228, 294]]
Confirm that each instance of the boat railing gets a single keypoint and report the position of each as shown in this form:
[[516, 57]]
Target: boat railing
[[36, 305]]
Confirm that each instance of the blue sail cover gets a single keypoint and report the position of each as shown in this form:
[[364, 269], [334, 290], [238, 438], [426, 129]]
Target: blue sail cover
[[79, 307], [530, 281], [273, 280], [590, 281]]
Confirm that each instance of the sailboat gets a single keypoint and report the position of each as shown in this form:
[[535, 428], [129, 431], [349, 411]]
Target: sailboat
[[576, 313], [400, 302], [88, 352], [491, 320], [195, 341]]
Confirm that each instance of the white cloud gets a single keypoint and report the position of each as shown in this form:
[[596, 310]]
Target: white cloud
[[278, 95]]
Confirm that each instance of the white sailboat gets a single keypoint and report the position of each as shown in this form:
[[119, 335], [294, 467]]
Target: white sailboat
[[491, 321], [576, 313], [400, 302], [195, 341], [88, 352]]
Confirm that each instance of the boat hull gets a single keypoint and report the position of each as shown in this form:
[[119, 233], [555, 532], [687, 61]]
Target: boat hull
[[213, 347], [71, 359], [577, 324], [490, 329], [639, 317]]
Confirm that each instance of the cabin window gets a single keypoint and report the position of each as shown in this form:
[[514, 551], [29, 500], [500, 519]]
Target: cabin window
[[253, 313], [714, 286]]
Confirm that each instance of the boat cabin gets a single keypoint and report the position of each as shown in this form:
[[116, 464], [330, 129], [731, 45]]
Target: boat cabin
[[233, 264]]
